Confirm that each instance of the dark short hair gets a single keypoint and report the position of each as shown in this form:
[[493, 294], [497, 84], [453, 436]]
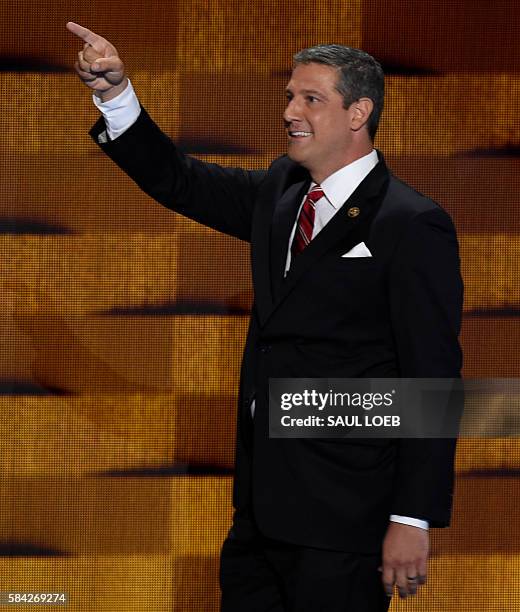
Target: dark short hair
[[360, 76]]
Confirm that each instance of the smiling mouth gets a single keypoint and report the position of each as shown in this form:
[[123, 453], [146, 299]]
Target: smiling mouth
[[298, 134]]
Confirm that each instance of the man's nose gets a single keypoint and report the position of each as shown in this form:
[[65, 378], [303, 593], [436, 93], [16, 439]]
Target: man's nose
[[292, 111]]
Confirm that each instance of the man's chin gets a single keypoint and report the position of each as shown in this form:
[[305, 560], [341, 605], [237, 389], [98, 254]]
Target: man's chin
[[295, 156]]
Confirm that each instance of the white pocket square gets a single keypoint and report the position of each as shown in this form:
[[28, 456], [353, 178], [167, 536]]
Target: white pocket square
[[360, 250]]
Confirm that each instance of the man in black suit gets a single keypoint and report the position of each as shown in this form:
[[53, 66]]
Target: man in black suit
[[355, 275]]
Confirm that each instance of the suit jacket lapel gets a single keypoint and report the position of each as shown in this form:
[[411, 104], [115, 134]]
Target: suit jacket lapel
[[282, 225], [277, 202]]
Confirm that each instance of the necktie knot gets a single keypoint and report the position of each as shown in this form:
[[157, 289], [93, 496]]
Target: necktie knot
[[315, 194]]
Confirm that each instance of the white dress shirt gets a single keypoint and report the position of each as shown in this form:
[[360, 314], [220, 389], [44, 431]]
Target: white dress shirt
[[123, 110]]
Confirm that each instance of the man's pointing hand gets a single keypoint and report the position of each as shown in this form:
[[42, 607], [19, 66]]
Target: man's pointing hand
[[99, 65]]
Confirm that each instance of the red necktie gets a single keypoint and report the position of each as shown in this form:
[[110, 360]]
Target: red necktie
[[303, 234]]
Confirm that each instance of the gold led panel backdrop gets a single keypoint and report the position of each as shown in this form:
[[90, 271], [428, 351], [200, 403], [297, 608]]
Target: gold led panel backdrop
[[122, 324]]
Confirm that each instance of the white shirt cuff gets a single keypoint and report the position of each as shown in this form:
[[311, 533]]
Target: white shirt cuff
[[407, 520], [121, 112]]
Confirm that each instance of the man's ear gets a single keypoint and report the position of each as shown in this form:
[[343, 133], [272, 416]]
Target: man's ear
[[361, 111]]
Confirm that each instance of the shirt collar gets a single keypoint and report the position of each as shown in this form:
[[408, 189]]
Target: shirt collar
[[338, 187]]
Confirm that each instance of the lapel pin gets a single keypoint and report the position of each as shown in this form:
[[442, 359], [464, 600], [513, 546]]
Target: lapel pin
[[353, 212]]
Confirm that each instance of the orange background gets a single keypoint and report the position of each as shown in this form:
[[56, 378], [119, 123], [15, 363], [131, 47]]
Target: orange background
[[123, 324]]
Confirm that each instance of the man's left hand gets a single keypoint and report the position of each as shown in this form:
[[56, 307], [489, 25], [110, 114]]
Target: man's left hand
[[405, 558]]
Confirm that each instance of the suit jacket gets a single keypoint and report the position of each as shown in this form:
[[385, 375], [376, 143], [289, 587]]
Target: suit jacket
[[396, 314]]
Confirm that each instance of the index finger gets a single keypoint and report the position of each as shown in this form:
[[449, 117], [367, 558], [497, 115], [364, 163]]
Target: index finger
[[84, 33]]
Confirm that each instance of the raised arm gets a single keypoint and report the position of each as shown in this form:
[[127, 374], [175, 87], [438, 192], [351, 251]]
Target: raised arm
[[221, 198]]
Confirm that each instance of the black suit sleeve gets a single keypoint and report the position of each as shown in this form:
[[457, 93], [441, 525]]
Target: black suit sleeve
[[426, 294], [221, 198]]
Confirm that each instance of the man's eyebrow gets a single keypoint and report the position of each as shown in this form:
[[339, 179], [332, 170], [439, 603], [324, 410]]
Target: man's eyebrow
[[307, 92]]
